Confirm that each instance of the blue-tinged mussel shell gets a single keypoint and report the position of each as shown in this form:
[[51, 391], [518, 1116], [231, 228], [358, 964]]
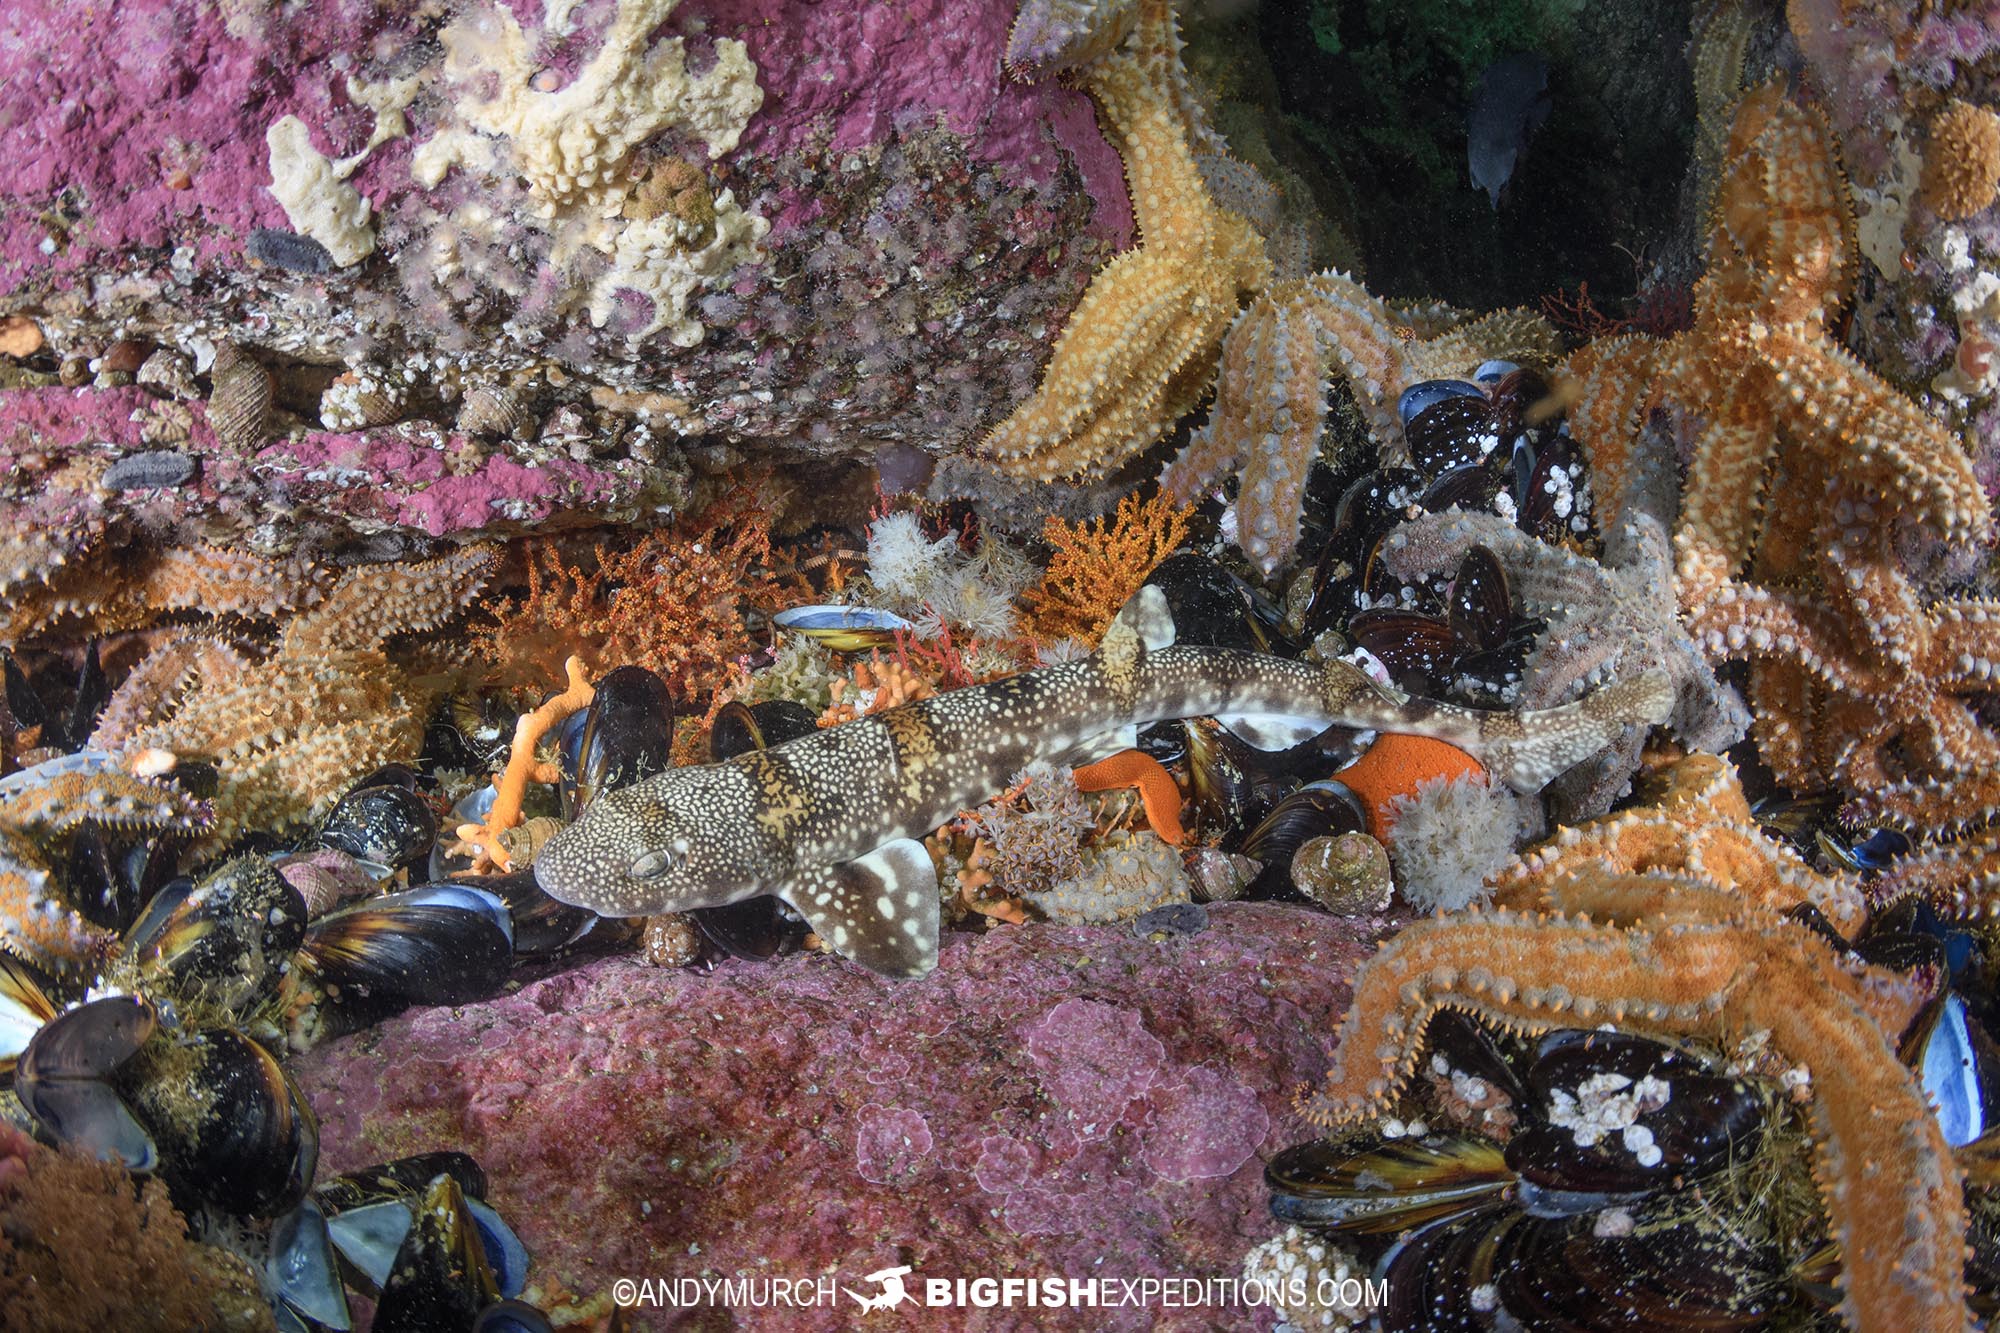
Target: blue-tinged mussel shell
[[65, 1079], [438, 944], [443, 1277], [627, 734]]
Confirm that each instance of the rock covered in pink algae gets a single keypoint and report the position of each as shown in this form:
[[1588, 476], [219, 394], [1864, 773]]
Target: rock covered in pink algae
[[1050, 1101], [931, 221]]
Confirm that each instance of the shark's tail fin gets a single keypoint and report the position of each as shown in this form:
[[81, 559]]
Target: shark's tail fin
[[1529, 755]]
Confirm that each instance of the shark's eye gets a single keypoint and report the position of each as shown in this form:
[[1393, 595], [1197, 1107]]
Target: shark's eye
[[653, 864]]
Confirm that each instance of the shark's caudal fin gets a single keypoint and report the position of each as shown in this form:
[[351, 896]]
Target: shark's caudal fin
[[1541, 745], [881, 910]]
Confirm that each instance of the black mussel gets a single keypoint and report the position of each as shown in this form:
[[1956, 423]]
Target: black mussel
[[1467, 486], [371, 1212], [108, 878], [1419, 649], [1516, 394], [1230, 784], [1316, 810], [1623, 1118], [225, 942], [1556, 501], [1346, 577], [740, 728], [65, 1078], [626, 734], [1492, 372], [65, 730], [386, 825], [541, 923], [1428, 393], [1457, 1045], [440, 1279], [1373, 1186], [1212, 606], [1497, 1269], [845, 629], [512, 1317], [1480, 608], [234, 1132], [754, 928], [1451, 433], [301, 1276], [440, 944]]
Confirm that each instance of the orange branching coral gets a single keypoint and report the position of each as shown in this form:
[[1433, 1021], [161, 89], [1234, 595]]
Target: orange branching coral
[[1098, 565], [875, 687], [522, 767], [83, 1248], [674, 603]]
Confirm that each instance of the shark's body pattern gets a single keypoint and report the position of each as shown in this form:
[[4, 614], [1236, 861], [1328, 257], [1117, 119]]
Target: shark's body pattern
[[828, 822]]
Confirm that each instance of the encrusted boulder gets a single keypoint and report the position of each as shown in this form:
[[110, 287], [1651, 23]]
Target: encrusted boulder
[[831, 226], [1064, 1101]]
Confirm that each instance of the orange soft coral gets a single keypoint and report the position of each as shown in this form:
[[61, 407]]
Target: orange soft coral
[[1098, 565], [675, 603], [876, 686]]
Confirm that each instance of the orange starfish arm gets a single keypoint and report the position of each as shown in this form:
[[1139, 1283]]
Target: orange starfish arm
[[522, 767], [1393, 766], [1134, 768]]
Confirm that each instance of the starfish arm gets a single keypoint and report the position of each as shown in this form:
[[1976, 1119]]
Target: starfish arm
[[371, 602], [1721, 502], [1870, 432], [1618, 378], [1961, 880]]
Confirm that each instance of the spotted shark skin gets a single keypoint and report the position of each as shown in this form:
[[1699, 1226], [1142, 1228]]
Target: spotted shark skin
[[829, 822]]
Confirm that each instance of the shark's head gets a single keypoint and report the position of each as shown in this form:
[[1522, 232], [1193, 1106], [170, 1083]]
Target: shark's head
[[676, 841]]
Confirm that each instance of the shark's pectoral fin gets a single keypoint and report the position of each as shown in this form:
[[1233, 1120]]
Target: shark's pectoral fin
[[881, 910]]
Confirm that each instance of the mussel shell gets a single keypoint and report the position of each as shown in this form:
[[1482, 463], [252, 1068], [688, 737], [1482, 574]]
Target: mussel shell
[[402, 1178], [1231, 785], [64, 1078], [1418, 649], [108, 877], [512, 1317], [1451, 433], [1708, 1123], [1536, 1273], [1372, 1186], [626, 734], [542, 924], [1959, 1067], [440, 944], [300, 1269], [472, 808], [234, 1132], [754, 928], [1469, 486], [440, 1279], [1540, 507], [1316, 810], [387, 825], [1209, 605], [25, 1007], [845, 629], [1428, 393], [1469, 1047], [1480, 607], [740, 728], [228, 939]]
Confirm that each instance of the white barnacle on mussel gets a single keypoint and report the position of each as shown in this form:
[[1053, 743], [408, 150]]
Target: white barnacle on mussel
[[1552, 1227], [220, 947]]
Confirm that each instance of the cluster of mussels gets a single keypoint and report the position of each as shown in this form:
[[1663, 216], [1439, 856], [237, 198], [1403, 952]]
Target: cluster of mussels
[[1599, 1179], [153, 1032]]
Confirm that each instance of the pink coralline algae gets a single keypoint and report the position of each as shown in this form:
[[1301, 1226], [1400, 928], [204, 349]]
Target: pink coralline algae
[[724, 1122]]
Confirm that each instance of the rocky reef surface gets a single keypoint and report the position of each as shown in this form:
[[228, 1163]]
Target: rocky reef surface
[[628, 225], [1052, 1100]]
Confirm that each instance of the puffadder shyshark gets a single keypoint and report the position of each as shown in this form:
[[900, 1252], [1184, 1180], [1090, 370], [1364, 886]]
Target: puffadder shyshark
[[830, 822]]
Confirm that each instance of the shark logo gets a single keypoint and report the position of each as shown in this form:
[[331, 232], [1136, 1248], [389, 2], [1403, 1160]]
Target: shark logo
[[893, 1292]]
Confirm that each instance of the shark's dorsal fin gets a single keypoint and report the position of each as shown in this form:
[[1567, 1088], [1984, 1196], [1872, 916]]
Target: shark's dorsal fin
[[881, 910], [1145, 621]]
